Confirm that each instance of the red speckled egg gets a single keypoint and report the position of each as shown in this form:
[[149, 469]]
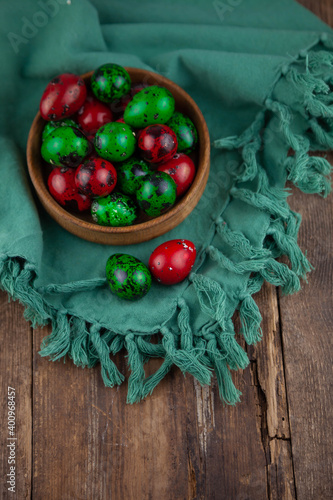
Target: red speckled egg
[[61, 184], [181, 168], [63, 97], [157, 143], [93, 115], [96, 177], [172, 262]]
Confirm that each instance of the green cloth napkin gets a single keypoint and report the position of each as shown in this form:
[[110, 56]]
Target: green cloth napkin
[[262, 73]]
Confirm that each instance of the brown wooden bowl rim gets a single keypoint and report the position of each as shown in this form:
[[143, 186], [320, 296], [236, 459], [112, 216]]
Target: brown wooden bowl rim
[[48, 200]]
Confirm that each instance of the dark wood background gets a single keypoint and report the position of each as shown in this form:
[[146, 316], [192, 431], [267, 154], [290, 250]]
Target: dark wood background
[[78, 440]]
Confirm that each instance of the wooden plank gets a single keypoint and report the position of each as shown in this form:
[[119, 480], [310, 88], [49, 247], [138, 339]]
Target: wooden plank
[[16, 372], [180, 442], [307, 327], [322, 9]]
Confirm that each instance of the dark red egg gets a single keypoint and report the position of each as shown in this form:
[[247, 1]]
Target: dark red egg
[[157, 143], [61, 184], [96, 177], [172, 262], [181, 168], [121, 120], [93, 115], [63, 97]]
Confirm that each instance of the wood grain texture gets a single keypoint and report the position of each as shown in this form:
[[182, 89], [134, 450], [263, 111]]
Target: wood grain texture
[[307, 326], [182, 443], [16, 372]]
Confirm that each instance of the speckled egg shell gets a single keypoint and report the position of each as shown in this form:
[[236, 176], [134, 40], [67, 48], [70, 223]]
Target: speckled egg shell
[[109, 82], [127, 276], [65, 146], [182, 169], [130, 174], [52, 125], [96, 177], [156, 194], [63, 96], [115, 210], [61, 184], [93, 115], [185, 131], [172, 261], [157, 143], [115, 141], [149, 106]]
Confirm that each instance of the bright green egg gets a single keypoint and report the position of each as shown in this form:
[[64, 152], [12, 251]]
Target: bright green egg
[[130, 174], [150, 106], [115, 210], [156, 193], [110, 82], [50, 126], [115, 141], [127, 276], [65, 146], [183, 127]]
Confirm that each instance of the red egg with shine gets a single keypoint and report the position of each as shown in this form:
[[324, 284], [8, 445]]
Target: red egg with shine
[[93, 115], [172, 262], [182, 169], [63, 96], [96, 177], [157, 143], [61, 184]]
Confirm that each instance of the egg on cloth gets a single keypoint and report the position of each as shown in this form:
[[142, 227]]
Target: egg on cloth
[[61, 184], [96, 177], [63, 96], [156, 193], [115, 141], [65, 146], [127, 276], [172, 261], [151, 105], [115, 210]]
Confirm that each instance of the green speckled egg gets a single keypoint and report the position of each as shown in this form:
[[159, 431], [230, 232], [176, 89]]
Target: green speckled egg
[[130, 174], [156, 193], [52, 125], [65, 146], [110, 82], [115, 210], [115, 141], [150, 106], [127, 276], [185, 131]]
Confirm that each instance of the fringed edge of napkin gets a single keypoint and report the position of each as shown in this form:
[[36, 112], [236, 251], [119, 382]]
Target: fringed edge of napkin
[[215, 347]]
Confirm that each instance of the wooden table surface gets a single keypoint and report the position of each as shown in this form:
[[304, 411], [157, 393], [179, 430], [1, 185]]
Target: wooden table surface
[[78, 440]]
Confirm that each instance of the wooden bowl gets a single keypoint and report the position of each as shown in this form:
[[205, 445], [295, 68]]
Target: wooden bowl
[[81, 224]]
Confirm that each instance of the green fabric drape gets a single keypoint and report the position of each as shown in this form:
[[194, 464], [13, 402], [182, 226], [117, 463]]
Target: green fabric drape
[[262, 74]]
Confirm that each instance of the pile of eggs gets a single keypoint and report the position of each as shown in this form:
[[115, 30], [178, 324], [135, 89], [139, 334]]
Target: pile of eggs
[[118, 149]]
